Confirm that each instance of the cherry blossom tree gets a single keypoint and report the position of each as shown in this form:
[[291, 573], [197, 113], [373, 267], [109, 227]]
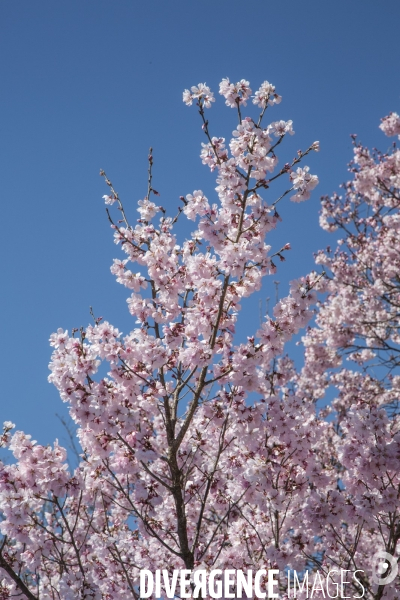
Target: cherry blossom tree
[[358, 325], [199, 451]]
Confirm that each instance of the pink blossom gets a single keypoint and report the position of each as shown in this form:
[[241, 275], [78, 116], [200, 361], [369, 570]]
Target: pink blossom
[[266, 95], [235, 93], [303, 182], [391, 124], [199, 92]]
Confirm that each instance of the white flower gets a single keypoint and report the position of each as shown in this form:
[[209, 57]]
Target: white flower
[[200, 91], [8, 425], [304, 182]]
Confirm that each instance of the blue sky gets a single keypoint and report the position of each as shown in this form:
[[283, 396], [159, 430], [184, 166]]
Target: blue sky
[[90, 85]]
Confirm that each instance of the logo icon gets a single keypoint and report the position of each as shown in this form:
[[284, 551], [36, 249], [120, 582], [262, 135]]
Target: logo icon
[[385, 568]]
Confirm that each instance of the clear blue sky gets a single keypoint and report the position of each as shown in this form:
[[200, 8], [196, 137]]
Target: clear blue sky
[[92, 84]]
